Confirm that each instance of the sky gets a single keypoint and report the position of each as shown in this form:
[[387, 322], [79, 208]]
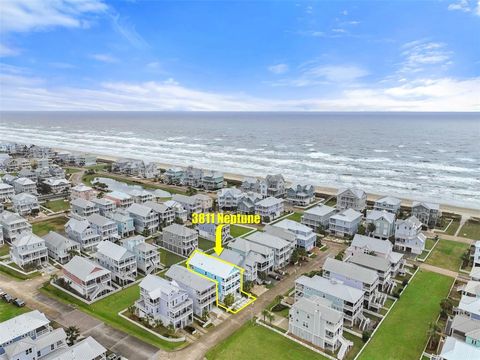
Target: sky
[[240, 55]]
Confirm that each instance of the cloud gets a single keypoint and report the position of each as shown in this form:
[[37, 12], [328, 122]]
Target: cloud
[[8, 51], [467, 6], [104, 58], [127, 30], [35, 15], [421, 54], [278, 68]]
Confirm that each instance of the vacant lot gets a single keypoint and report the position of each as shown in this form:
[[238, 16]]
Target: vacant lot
[[57, 205], [8, 311], [205, 244], [15, 274], [447, 254], [403, 334], [44, 227], [168, 258], [471, 229], [296, 216], [107, 310], [238, 230], [4, 250], [253, 341]]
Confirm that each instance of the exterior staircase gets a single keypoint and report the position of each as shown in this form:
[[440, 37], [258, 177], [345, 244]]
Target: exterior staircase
[[344, 346]]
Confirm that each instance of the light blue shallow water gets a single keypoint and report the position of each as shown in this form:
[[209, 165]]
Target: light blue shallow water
[[433, 157]]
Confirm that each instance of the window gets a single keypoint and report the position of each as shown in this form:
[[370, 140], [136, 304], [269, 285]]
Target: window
[[52, 347]]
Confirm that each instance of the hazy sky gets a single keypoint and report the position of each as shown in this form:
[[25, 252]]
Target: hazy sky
[[246, 55]]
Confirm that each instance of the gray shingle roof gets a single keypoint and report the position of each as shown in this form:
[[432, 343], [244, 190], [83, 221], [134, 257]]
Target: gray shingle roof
[[183, 276], [332, 287], [350, 270], [370, 261]]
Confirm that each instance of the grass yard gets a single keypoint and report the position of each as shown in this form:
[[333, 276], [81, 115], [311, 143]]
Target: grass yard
[[471, 229], [69, 171], [429, 244], [205, 244], [452, 229], [255, 341], [57, 205], [357, 345], [238, 230], [8, 311], [4, 250], [107, 310], [403, 334], [296, 216], [17, 275], [44, 227], [332, 201], [447, 254], [168, 258]]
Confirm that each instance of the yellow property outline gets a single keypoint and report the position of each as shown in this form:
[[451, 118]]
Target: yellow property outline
[[242, 270]]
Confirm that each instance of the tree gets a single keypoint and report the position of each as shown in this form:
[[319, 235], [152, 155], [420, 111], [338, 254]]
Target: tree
[[247, 285], [262, 275], [447, 306], [339, 256], [191, 191], [466, 258], [54, 278], [178, 221], [228, 300], [432, 333], [265, 314], [270, 317], [366, 335], [361, 230], [371, 228], [302, 253], [294, 257], [72, 333], [205, 315], [171, 329]]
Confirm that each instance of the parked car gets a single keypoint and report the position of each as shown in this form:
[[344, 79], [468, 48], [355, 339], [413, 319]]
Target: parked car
[[19, 302], [7, 298]]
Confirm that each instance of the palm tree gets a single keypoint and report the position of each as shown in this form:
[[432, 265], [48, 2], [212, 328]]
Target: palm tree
[[371, 228], [265, 313], [72, 333], [270, 317], [447, 306], [432, 333]]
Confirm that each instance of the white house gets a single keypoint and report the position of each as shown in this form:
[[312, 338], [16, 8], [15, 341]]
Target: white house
[[24, 185], [166, 215], [83, 192], [141, 196], [6, 192], [304, 236], [144, 218], [282, 249], [121, 262], [388, 203], [345, 223], [409, 236], [351, 198], [318, 217], [13, 225], [383, 223], [204, 202], [147, 256], [476, 254], [269, 208], [121, 199], [103, 205], [275, 185], [300, 194], [105, 227], [228, 198], [87, 278], [246, 203], [60, 248], [83, 207], [255, 185], [165, 301], [82, 233], [29, 250], [189, 203], [56, 185], [178, 210], [25, 204]]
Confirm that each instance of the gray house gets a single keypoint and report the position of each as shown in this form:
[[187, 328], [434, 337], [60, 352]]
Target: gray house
[[345, 223], [144, 218], [388, 203], [180, 239], [383, 223], [427, 213], [83, 207], [301, 194], [275, 185], [351, 198], [318, 217], [60, 248]]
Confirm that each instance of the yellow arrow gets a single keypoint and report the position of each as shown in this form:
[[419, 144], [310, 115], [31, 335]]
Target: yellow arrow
[[218, 240]]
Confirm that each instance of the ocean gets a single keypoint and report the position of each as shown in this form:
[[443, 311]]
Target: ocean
[[424, 156]]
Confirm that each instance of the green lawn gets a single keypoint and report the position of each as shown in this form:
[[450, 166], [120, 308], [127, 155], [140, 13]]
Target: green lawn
[[452, 229], [253, 341], [57, 205], [447, 254], [8, 310], [332, 202], [296, 216], [471, 229], [168, 258], [107, 310], [238, 230], [17, 275], [4, 250], [403, 334], [429, 244], [69, 171], [357, 345], [205, 244], [44, 227]]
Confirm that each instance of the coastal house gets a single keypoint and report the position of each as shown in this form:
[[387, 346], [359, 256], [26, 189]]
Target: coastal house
[[275, 185], [378, 264], [189, 203], [358, 277], [83, 159], [13, 226], [103, 205], [1, 230], [24, 185], [6, 192], [83, 208], [476, 254], [388, 203], [29, 250], [86, 278], [200, 290], [60, 248], [25, 204], [254, 185], [166, 215], [282, 249], [192, 177], [269, 208], [345, 223], [180, 239], [173, 176], [318, 217], [56, 171], [343, 298], [86, 349], [212, 180], [300, 194], [315, 321], [9, 179], [151, 171], [105, 227], [454, 349], [246, 203], [82, 233], [208, 231], [383, 224], [427, 213], [305, 238], [469, 306], [57, 186], [141, 196], [226, 276], [409, 237], [464, 328], [121, 262], [351, 198], [145, 219], [131, 167], [147, 256], [471, 288], [178, 210], [124, 222], [228, 198], [164, 300], [204, 202], [82, 191], [121, 199], [27, 173]]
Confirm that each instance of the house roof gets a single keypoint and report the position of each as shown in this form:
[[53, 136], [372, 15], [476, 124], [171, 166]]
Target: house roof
[[118, 195], [58, 241], [291, 225], [140, 192], [389, 200], [82, 203], [470, 304], [21, 325], [245, 246], [268, 240], [113, 251], [159, 193], [211, 265], [350, 270], [233, 192], [428, 205], [102, 201], [87, 349], [184, 199], [24, 181], [82, 188], [475, 272], [372, 244], [140, 210], [5, 186], [27, 238], [269, 201], [316, 304], [24, 198], [377, 214], [183, 276], [370, 261], [157, 207], [56, 182], [155, 286], [84, 269], [8, 217], [178, 229], [77, 225], [321, 210], [332, 287], [357, 192], [465, 324], [347, 215], [99, 220], [472, 287], [454, 349], [120, 216]]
